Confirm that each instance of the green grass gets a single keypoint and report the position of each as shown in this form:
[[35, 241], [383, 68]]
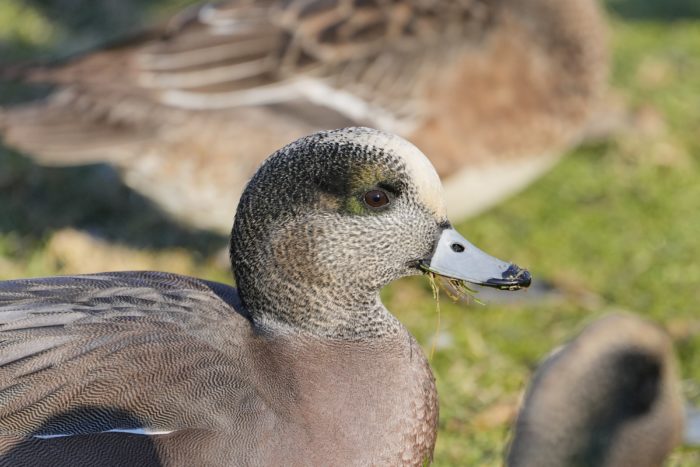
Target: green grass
[[615, 224]]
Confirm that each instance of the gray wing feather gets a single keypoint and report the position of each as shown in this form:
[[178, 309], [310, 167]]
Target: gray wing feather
[[78, 352]]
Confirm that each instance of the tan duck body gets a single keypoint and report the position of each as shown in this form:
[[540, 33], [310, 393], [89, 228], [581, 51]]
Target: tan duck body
[[609, 398], [494, 91], [300, 365]]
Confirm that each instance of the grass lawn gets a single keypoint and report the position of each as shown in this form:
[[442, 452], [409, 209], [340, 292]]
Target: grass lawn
[[615, 225]]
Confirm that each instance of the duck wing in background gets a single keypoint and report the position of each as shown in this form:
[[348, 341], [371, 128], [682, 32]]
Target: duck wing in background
[[494, 91]]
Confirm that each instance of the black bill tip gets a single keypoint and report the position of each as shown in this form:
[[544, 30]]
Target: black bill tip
[[513, 278]]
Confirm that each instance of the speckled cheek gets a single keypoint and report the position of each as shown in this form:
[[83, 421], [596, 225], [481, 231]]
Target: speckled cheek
[[294, 250], [327, 202]]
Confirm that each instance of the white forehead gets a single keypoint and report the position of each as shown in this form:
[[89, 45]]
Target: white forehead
[[419, 167]]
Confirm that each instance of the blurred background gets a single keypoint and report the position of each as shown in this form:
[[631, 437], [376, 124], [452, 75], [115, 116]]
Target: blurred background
[[615, 226]]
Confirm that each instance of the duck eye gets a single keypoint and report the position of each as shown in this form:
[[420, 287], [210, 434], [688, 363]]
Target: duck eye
[[376, 198]]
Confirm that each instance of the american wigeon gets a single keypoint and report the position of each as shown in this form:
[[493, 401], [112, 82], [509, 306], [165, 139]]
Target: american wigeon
[[301, 364]]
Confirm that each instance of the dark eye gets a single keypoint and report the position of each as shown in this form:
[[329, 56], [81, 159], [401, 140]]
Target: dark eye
[[376, 198]]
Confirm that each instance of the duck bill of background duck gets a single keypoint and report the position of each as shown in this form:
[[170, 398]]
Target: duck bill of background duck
[[455, 258]]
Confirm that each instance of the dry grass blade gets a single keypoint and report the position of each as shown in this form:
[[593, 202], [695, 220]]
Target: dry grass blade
[[455, 289]]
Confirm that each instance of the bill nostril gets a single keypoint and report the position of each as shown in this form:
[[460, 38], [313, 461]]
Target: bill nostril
[[457, 247]]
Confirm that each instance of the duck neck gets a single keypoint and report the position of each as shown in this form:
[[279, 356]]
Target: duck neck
[[340, 312]]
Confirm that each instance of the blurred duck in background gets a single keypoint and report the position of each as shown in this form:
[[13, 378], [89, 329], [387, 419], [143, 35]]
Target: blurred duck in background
[[495, 91], [611, 397]]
